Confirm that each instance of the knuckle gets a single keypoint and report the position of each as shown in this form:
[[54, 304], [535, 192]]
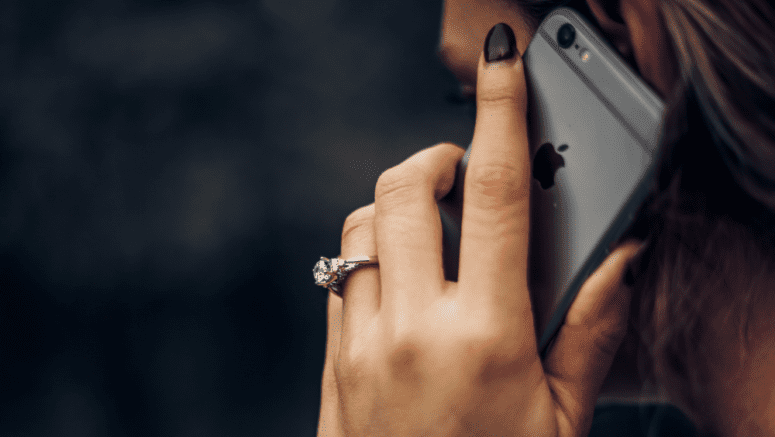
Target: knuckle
[[404, 361], [400, 181], [498, 182], [609, 339], [417, 173], [448, 148], [362, 219], [352, 366], [403, 352], [499, 354], [346, 375], [499, 97]]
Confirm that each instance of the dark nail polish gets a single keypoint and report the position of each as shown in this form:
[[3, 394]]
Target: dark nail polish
[[500, 43]]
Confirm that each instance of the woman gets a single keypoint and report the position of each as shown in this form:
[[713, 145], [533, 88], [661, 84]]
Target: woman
[[409, 353]]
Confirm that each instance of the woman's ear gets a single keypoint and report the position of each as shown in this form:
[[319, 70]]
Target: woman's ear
[[609, 18]]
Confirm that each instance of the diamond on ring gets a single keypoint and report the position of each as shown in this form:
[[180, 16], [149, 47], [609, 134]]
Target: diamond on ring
[[330, 273], [322, 272]]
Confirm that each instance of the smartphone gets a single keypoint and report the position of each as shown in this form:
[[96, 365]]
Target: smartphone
[[594, 127]]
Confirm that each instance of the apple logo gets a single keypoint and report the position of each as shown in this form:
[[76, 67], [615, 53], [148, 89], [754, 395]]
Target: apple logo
[[546, 163]]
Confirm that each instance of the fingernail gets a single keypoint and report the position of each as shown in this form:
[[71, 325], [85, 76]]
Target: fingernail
[[500, 43]]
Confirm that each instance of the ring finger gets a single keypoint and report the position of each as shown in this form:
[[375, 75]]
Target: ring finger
[[361, 289], [408, 227]]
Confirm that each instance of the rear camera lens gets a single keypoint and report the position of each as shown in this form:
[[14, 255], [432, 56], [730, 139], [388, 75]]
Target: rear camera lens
[[566, 35]]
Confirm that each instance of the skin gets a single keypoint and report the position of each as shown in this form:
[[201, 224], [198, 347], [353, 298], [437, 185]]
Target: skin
[[409, 353], [465, 25]]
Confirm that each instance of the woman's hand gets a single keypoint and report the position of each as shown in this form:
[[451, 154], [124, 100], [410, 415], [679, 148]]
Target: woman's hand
[[410, 354]]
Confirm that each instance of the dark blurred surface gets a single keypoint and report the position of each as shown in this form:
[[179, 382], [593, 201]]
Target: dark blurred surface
[[648, 420], [170, 172]]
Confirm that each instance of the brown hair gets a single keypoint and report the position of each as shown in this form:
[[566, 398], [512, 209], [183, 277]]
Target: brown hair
[[709, 249], [709, 222]]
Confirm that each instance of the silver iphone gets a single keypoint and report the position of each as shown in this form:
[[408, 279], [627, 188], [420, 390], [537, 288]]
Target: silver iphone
[[594, 126]]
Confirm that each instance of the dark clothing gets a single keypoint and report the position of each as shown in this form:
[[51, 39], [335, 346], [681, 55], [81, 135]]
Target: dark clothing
[[647, 420]]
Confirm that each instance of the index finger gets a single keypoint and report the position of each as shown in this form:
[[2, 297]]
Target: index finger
[[496, 208]]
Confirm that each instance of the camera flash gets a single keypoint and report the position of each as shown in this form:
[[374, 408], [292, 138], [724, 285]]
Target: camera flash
[[584, 55]]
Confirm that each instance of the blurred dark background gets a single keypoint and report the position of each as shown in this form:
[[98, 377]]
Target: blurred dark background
[[170, 172]]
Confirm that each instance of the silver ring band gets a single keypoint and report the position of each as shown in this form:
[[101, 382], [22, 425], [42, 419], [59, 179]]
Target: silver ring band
[[331, 273]]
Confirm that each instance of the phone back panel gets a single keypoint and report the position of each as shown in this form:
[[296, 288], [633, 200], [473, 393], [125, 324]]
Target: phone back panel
[[610, 122]]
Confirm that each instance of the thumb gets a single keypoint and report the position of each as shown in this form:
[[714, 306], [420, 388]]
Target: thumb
[[587, 342]]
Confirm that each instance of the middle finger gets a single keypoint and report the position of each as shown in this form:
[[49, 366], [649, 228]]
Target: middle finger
[[408, 226], [496, 210]]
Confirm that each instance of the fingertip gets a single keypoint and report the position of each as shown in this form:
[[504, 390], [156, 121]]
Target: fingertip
[[602, 291], [501, 82], [633, 249], [454, 153], [500, 44], [630, 249], [514, 62]]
